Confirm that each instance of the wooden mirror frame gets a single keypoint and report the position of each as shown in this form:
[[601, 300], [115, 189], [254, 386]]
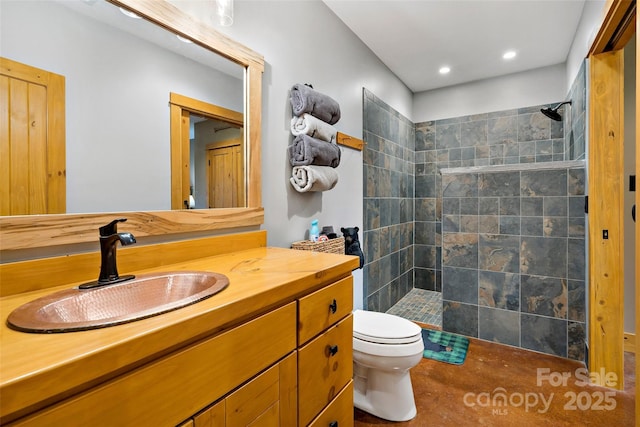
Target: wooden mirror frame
[[39, 231]]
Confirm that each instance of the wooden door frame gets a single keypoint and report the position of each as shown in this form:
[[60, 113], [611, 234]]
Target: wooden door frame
[[180, 108], [606, 190], [606, 209]]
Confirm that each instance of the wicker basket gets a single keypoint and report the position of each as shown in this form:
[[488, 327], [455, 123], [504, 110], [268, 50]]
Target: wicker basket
[[334, 246]]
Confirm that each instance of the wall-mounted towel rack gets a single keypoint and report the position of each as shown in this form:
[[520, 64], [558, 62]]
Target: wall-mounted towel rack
[[349, 141]]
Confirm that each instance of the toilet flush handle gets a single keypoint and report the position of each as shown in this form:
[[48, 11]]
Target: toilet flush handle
[[333, 306]]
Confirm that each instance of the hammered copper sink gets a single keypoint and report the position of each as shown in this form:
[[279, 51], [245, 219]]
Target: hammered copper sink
[[145, 296]]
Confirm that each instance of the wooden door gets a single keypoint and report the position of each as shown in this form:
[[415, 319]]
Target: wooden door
[[32, 140], [226, 174]]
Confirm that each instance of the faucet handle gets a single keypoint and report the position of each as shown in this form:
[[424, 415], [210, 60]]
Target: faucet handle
[[111, 228]]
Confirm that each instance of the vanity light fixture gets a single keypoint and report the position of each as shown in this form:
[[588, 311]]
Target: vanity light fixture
[[510, 54], [129, 13], [444, 70], [224, 10]]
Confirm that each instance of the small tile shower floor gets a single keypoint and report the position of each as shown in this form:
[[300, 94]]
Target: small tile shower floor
[[421, 306]]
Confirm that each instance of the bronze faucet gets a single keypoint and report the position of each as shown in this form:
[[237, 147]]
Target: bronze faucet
[[109, 237]]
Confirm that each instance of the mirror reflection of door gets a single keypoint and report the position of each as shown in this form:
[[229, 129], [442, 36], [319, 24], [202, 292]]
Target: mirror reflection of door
[[196, 129], [32, 140], [225, 174]]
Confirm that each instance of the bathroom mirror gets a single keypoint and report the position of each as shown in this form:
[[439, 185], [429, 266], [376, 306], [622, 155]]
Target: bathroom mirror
[[20, 232]]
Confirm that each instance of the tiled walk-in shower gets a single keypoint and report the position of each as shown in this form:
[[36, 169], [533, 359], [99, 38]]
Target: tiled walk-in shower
[[420, 305], [484, 213]]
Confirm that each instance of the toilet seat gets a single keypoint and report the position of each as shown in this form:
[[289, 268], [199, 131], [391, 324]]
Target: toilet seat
[[384, 328]]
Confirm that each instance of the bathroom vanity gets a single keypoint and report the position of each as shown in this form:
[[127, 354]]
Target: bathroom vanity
[[273, 348]]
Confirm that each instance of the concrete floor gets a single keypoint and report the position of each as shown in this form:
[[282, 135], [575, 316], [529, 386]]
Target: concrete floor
[[470, 394]]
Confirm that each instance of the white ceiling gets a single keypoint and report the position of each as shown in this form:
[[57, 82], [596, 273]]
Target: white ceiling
[[414, 38]]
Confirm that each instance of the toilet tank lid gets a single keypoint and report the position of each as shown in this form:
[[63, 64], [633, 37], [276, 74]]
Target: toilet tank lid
[[371, 324]]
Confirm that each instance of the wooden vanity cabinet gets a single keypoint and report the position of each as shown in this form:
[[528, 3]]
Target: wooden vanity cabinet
[[288, 367], [323, 365], [325, 356]]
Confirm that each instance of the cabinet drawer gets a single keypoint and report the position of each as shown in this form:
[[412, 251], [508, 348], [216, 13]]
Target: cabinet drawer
[[167, 391], [321, 309], [325, 366], [339, 413]]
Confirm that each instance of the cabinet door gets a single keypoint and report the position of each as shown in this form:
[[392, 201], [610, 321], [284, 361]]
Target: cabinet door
[[253, 399], [267, 400], [213, 416], [325, 366]]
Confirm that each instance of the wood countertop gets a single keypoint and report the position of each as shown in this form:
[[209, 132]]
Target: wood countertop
[[37, 370]]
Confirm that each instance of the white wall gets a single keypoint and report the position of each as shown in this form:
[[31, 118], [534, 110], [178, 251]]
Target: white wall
[[304, 42], [534, 87], [589, 24]]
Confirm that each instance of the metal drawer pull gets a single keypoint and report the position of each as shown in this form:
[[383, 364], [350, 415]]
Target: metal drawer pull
[[333, 424], [333, 306], [333, 349]]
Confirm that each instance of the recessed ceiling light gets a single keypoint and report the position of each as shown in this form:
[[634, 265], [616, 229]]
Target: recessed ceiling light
[[510, 54], [444, 70]]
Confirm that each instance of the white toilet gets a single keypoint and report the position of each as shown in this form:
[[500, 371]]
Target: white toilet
[[385, 347]]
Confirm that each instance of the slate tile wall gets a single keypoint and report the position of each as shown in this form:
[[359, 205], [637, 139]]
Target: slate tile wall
[[507, 137], [484, 239], [514, 269], [575, 121], [388, 233]]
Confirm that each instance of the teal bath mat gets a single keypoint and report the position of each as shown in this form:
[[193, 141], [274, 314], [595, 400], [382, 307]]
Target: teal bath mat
[[444, 347]]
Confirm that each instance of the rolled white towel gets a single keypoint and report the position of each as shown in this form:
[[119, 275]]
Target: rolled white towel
[[313, 178], [309, 125]]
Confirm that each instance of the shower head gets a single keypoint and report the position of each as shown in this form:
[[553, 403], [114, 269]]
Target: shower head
[[552, 113]]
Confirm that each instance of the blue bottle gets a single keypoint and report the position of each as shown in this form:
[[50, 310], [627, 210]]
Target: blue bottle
[[314, 232]]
